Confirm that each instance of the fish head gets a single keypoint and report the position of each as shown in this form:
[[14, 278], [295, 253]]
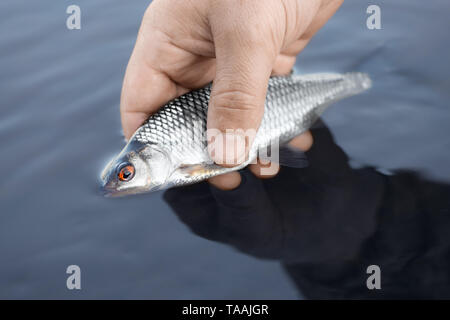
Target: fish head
[[139, 168]]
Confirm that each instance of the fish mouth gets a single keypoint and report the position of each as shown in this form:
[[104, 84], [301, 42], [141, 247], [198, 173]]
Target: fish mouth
[[106, 190], [109, 190]]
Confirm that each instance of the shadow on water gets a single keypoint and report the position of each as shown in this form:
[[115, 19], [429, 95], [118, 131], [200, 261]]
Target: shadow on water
[[327, 223], [59, 124]]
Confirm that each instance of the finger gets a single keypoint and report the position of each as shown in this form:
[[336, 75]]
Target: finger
[[283, 65], [303, 142], [325, 12], [144, 90], [263, 170], [243, 67], [227, 181]]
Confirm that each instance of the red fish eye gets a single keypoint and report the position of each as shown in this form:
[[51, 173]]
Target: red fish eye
[[126, 172]]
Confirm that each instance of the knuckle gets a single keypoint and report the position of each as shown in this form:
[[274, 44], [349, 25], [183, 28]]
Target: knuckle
[[236, 99], [247, 20]]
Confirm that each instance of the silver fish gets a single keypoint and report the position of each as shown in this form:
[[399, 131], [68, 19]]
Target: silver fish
[[170, 148]]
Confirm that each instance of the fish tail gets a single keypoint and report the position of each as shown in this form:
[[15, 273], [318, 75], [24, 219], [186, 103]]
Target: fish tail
[[338, 86], [356, 82], [345, 85]]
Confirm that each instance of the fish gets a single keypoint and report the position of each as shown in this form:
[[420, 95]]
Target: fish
[[170, 148]]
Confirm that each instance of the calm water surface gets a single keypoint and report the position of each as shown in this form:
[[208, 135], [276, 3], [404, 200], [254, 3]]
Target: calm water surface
[[59, 123]]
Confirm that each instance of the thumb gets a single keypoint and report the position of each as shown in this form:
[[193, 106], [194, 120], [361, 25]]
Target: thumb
[[243, 67]]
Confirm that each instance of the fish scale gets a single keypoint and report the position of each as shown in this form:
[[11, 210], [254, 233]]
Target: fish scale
[[293, 103]]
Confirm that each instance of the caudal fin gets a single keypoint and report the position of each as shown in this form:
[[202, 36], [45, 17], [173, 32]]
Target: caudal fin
[[332, 87], [357, 82], [337, 86]]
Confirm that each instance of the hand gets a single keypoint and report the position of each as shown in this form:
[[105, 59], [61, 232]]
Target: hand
[[183, 45]]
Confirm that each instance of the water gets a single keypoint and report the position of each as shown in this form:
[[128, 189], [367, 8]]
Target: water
[[59, 123]]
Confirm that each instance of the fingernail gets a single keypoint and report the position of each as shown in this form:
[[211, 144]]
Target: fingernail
[[228, 149], [234, 148]]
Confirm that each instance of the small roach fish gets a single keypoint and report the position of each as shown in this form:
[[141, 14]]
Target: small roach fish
[[170, 148]]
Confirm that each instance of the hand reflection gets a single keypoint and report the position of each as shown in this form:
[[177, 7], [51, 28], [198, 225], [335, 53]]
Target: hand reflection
[[328, 222], [296, 216]]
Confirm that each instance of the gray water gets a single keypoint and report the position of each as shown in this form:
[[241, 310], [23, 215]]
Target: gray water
[[59, 124]]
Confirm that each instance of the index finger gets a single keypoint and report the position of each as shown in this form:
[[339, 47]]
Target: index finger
[[144, 90]]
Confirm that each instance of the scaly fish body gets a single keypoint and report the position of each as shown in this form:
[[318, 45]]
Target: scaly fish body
[[170, 148]]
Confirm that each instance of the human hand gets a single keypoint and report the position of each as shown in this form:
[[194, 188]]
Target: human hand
[[183, 45]]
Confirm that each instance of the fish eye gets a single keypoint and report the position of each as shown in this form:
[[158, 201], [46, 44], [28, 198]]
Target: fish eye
[[125, 171]]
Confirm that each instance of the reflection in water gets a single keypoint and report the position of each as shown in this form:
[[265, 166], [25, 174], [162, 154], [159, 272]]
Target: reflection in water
[[60, 123], [327, 223]]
